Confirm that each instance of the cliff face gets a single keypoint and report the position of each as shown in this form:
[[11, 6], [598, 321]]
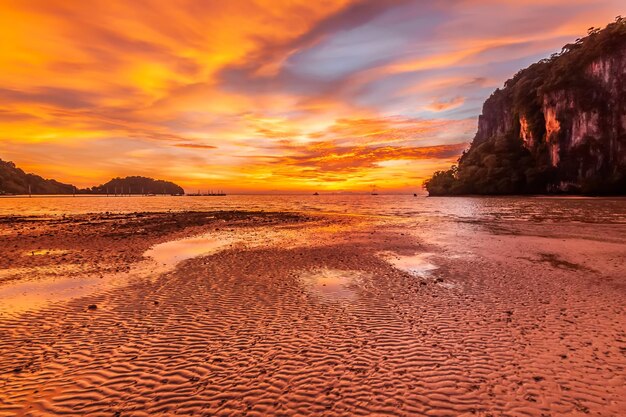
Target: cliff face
[[583, 128], [557, 126], [586, 128]]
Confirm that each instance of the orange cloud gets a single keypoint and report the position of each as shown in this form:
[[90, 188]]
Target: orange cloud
[[194, 146], [325, 157], [442, 105]]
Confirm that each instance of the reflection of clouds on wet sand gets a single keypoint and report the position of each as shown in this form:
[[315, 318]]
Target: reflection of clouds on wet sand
[[29, 288], [334, 283], [421, 266], [52, 283], [417, 265], [40, 252], [169, 254], [22, 296]]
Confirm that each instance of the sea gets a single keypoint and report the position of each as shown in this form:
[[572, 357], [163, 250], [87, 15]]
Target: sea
[[541, 209]]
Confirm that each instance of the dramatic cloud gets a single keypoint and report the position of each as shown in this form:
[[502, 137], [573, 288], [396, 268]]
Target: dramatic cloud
[[441, 105], [251, 95], [194, 146], [325, 157]]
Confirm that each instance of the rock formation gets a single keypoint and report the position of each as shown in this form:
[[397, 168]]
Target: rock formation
[[556, 126]]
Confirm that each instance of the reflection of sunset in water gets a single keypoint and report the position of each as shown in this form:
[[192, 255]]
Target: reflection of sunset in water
[[18, 297], [169, 254], [549, 209], [417, 265], [334, 283]]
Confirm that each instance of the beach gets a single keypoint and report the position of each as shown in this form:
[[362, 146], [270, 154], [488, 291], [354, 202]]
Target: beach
[[303, 312]]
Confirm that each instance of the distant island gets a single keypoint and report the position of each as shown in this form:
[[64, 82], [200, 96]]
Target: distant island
[[14, 180], [137, 185], [558, 126]]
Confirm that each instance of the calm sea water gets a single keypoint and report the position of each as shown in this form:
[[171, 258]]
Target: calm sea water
[[600, 210]]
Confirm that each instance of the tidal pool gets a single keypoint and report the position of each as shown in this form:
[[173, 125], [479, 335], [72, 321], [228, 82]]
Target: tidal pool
[[45, 252], [53, 285], [333, 283], [169, 254], [417, 265]]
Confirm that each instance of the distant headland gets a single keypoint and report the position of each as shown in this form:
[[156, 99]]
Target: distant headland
[[558, 126], [137, 185], [14, 181]]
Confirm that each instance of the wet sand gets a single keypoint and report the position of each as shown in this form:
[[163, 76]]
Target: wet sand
[[286, 314]]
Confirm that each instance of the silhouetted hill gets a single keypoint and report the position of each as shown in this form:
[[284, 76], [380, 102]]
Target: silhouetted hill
[[556, 126], [137, 185], [15, 181]]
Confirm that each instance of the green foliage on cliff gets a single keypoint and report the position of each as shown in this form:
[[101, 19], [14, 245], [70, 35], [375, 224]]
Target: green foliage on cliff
[[498, 162], [497, 166], [15, 181], [137, 185], [566, 69]]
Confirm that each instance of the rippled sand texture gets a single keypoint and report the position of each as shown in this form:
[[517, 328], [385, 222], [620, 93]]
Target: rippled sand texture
[[505, 324]]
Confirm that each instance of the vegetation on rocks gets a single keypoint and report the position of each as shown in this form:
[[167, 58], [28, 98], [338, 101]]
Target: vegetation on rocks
[[15, 181], [137, 185], [513, 151]]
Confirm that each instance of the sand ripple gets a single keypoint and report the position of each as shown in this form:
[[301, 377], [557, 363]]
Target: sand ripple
[[241, 333]]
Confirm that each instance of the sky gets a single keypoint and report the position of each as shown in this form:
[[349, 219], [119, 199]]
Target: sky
[[263, 95]]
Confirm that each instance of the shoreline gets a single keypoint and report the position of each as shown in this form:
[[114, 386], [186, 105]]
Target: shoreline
[[301, 314], [91, 234]]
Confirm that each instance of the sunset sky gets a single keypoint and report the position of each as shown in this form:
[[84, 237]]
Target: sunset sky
[[263, 95]]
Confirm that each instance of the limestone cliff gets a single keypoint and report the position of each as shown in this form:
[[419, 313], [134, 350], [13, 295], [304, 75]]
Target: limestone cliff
[[557, 126]]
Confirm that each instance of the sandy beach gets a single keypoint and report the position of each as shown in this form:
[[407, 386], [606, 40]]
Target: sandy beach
[[255, 314]]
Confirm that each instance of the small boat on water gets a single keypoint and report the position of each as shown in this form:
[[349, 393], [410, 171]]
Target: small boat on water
[[316, 193]]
